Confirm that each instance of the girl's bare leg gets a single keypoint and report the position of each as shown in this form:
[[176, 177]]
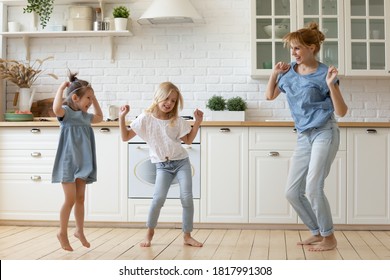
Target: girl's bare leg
[[79, 212], [148, 238], [62, 235], [189, 240]]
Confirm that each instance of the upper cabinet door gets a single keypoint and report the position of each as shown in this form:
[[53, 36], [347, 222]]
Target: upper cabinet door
[[367, 37], [329, 15], [270, 21]]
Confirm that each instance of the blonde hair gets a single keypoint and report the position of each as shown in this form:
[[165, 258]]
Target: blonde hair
[[310, 35], [161, 94]]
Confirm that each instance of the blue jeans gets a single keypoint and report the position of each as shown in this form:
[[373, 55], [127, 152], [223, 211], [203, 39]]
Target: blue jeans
[[165, 173], [310, 165]]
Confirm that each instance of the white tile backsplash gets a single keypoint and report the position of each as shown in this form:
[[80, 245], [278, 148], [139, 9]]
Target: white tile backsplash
[[203, 60]]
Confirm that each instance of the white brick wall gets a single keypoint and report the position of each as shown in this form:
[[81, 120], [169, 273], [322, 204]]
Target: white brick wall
[[203, 60]]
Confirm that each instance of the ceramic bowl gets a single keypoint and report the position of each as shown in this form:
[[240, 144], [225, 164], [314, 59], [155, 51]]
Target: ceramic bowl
[[12, 117], [280, 30]]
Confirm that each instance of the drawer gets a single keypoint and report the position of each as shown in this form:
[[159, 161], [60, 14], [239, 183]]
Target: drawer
[[265, 138], [281, 138], [29, 138], [30, 161]]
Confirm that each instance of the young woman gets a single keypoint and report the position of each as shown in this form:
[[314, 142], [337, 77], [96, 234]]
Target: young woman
[[313, 94], [162, 128]]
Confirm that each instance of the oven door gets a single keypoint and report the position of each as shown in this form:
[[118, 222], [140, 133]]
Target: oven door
[[142, 173]]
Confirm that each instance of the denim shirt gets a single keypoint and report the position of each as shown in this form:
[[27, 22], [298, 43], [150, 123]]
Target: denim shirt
[[308, 96]]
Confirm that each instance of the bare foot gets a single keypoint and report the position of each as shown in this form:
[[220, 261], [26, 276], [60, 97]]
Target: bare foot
[[311, 240], [190, 241], [148, 238], [82, 239], [327, 243], [64, 241]]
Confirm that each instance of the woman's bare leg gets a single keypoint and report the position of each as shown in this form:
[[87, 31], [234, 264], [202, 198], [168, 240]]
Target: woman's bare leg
[[189, 240], [327, 243], [311, 240]]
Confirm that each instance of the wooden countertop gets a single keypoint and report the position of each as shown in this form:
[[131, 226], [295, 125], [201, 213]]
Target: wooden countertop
[[52, 122]]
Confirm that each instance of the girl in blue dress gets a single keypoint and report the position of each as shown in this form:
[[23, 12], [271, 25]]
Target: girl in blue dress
[[75, 162], [313, 94]]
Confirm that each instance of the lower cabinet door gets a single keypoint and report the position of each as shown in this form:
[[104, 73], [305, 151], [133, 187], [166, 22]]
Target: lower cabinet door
[[29, 196]]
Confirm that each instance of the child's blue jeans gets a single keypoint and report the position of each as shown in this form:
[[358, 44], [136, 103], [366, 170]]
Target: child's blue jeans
[[165, 173]]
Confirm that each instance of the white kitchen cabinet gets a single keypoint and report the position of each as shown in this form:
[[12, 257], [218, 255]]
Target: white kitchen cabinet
[[269, 162], [267, 47], [367, 48], [329, 14], [224, 174], [368, 176], [26, 161], [106, 199], [357, 34]]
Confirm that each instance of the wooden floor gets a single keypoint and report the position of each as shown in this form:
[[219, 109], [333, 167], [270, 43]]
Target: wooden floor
[[33, 243]]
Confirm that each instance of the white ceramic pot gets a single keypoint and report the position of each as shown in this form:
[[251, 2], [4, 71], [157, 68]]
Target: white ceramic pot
[[13, 26], [26, 97], [120, 24]]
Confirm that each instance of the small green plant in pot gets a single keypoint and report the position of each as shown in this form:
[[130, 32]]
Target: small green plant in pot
[[216, 103], [121, 14], [236, 104]]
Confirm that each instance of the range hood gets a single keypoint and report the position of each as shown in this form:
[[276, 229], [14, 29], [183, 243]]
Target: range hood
[[170, 12]]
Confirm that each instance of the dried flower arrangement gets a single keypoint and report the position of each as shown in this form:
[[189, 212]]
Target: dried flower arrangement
[[22, 74]]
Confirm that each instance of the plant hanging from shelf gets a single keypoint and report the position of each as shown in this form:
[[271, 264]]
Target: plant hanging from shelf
[[43, 8]]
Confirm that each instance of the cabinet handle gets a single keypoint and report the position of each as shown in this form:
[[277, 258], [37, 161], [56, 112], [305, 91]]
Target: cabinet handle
[[35, 178], [371, 131], [35, 130], [36, 154], [294, 130], [104, 130], [224, 130], [273, 154], [142, 147]]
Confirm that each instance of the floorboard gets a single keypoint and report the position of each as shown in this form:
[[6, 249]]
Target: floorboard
[[40, 243]]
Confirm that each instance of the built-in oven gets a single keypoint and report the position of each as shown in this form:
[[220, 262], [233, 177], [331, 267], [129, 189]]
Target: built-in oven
[[142, 173]]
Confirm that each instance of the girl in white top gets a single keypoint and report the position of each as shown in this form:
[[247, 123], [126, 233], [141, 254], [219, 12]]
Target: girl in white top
[[163, 130]]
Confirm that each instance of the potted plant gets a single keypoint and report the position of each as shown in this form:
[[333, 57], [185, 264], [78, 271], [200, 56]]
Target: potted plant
[[216, 103], [23, 75], [236, 104], [42, 8], [235, 108], [121, 15]]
